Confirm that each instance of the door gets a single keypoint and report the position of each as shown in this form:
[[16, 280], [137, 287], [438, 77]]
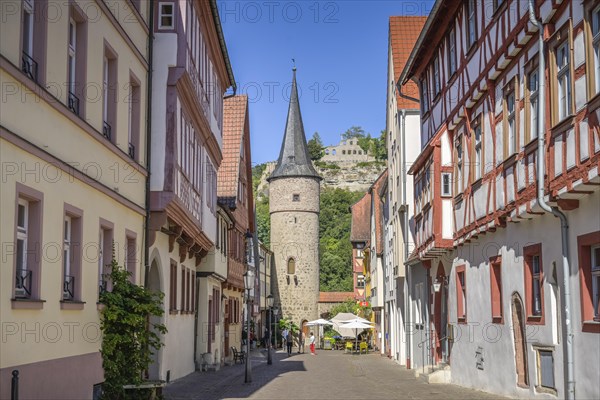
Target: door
[[519, 341]]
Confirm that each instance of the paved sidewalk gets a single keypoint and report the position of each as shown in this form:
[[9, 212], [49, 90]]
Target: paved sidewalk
[[329, 375]]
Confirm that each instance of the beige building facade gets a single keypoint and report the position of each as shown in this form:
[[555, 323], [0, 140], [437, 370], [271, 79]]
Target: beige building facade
[[72, 143]]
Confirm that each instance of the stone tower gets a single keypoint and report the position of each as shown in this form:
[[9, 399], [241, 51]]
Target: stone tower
[[294, 191]]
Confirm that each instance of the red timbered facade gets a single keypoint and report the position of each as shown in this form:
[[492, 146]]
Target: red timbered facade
[[478, 222]]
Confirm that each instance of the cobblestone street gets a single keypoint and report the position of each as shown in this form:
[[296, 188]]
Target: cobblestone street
[[329, 375]]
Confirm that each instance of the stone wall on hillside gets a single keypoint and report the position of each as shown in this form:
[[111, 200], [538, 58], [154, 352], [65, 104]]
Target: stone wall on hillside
[[348, 176]]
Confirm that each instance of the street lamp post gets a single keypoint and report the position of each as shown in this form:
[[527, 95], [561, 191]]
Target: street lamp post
[[249, 283], [275, 314], [270, 300]]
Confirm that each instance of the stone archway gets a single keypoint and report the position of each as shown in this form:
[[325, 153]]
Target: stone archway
[[155, 286], [520, 343]]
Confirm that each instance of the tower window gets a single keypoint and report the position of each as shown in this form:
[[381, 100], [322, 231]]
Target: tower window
[[291, 266], [295, 197]]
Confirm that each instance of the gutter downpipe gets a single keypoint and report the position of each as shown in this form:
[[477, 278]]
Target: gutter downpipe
[[570, 378], [405, 236], [148, 141]]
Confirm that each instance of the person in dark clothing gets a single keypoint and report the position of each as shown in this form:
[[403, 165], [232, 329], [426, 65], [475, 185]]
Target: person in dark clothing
[[300, 342], [289, 342]]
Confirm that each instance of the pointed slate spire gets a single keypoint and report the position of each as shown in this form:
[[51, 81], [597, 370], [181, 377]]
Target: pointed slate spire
[[294, 159]]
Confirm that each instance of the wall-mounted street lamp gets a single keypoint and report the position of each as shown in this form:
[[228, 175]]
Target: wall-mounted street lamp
[[249, 284], [270, 300]]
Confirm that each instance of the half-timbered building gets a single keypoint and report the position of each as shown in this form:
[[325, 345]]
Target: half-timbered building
[[189, 79], [509, 89]]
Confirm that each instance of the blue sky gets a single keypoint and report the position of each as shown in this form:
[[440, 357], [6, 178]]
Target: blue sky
[[340, 48]]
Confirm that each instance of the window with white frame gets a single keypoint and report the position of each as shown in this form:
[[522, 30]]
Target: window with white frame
[[459, 163], [595, 257], [533, 86], [536, 282], [471, 23], [28, 27], [564, 80], [23, 274], [72, 54], [436, 75], [360, 281], [166, 16], [596, 46], [68, 278], [511, 123], [451, 52], [477, 150], [424, 95], [446, 184]]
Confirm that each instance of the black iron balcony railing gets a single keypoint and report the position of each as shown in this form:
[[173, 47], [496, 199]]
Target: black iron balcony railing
[[107, 130], [73, 103], [29, 67], [23, 283], [131, 150], [69, 288]]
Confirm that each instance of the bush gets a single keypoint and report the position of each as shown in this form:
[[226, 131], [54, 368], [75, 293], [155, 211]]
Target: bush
[[128, 339]]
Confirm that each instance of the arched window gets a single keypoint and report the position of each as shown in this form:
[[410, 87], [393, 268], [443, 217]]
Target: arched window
[[291, 267], [343, 151], [333, 152], [326, 151], [354, 151]]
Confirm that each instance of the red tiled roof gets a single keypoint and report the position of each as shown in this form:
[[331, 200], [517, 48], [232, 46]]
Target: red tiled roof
[[335, 297], [361, 216], [235, 111], [404, 31], [375, 192]]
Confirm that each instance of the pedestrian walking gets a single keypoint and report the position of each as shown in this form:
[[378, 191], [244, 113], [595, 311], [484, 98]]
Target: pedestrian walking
[[284, 335], [311, 341], [300, 342], [289, 342]]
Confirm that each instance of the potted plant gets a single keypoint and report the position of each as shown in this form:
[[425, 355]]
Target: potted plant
[[129, 338]]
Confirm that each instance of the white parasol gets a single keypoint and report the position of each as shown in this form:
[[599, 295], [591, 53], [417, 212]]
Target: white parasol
[[356, 325], [318, 322]]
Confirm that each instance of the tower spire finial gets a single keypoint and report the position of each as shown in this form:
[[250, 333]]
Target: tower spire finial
[[294, 66]]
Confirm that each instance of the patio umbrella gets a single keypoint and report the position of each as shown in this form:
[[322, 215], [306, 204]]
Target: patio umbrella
[[318, 322], [340, 318], [356, 325]]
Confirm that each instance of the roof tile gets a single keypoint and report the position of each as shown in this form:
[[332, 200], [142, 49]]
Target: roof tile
[[404, 32], [235, 113]]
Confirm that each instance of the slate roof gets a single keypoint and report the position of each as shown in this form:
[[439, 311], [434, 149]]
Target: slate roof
[[335, 297], [235, 112], [294, 159], [404, 31], [361, 219]]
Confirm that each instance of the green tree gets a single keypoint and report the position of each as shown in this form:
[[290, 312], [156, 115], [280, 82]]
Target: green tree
[[353, 132], [129, 337], [334, 244], [365, 143], [380, 147], [315, 147], [263, 221], [257, 172]]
